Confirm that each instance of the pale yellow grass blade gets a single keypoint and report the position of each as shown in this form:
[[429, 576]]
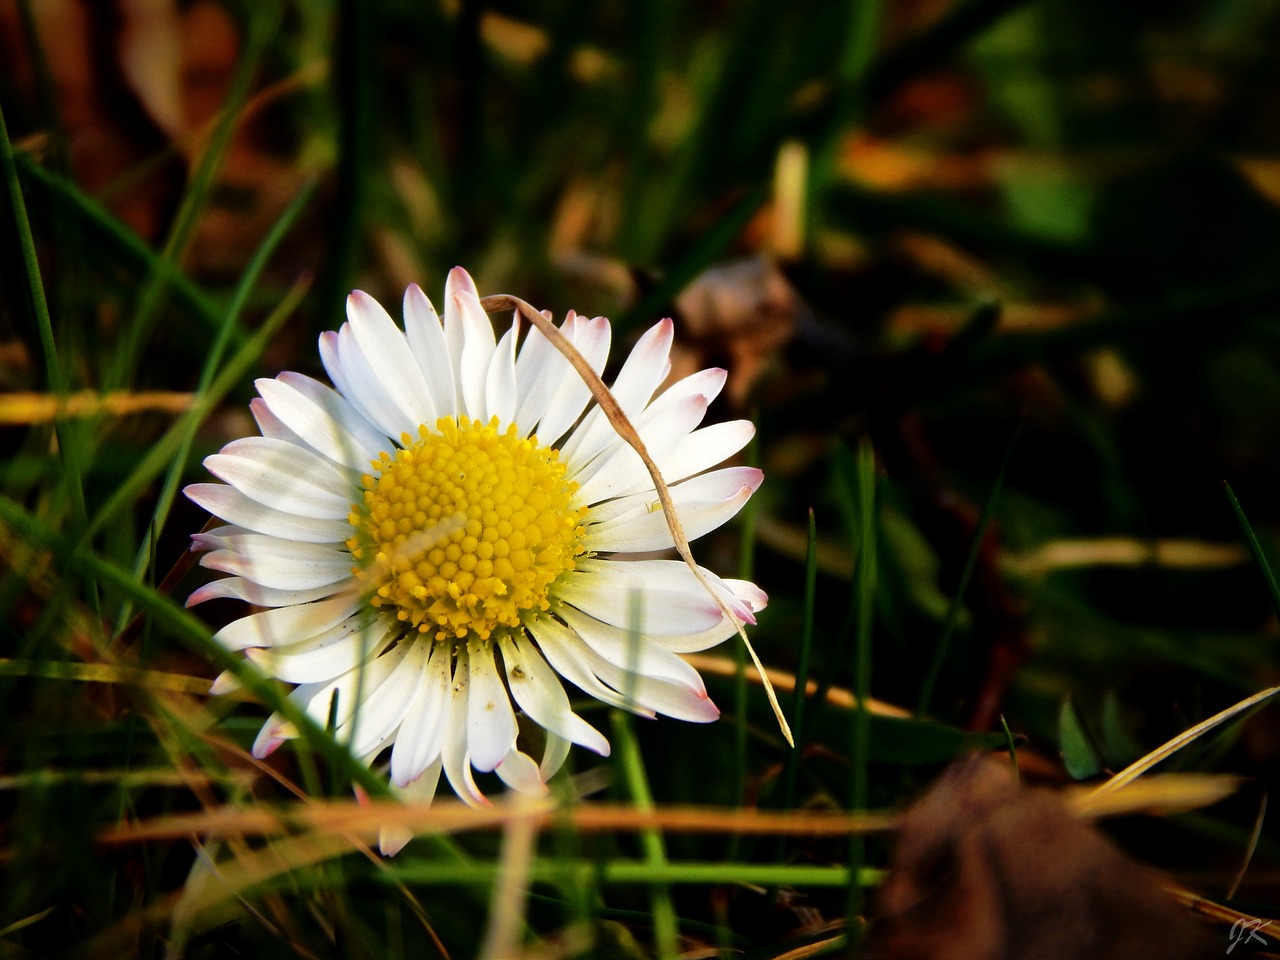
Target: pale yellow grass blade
[[1166, 750], [1160, 793], [27, 408]]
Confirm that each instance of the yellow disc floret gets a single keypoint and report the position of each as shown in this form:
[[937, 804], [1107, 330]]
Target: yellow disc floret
[[465, 530]]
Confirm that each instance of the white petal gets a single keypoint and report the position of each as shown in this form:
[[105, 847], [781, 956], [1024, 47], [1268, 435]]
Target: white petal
[[371, 393], [643, 372], [621, 468], [384, 709], [540, 372], [554, 755], [591, 337], [631, 604], [664, 579], [746, 593], [500, 387], [519, 772], [422, 731], [216, 538], [332, 360], [491, 723], [387, 352], [323, 419], [633, 653], [284, 564], [455, 334], [225, 501], [469, 335], [457, 760], [630, 691], [286, 477], [271, 426], [287, 624], [277, 729], [348, 689], [703, 504], [700, 450], [393, 837], [564, 650], [540, 695], [675, 700], [225, 682], [333, 653], [705, 385], [238, 588], [426, 340]]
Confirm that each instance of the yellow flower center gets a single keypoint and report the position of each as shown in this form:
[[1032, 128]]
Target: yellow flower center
[[465, 530]]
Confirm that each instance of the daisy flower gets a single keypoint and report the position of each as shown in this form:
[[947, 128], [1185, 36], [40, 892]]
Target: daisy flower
[[455, 526]]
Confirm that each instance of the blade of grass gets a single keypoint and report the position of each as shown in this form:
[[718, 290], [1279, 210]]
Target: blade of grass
[[1013, 748], [163, 450], [734, 54], [860, 745], [952, 617], [801, 688], [188, 630], [623, 427], [624, 872], [103, 233], [1252, 846], [173, 477], [1170, 747], [856, 55], [741, 689], [1255, 547], [57, 383], [665, 932], [511, 889], [259, 27]]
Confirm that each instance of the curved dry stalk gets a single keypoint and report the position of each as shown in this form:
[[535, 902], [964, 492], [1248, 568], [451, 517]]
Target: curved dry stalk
[[622, 426]]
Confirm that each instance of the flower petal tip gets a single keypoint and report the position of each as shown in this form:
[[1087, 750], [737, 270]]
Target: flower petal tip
[[225, 682], [391, 840], [459, 281]]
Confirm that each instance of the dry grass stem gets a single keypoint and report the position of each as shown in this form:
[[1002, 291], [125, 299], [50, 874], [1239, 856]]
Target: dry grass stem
[[624, 429]]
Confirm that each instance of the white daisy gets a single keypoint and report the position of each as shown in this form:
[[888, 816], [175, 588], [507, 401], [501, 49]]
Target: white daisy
[[455, 524]]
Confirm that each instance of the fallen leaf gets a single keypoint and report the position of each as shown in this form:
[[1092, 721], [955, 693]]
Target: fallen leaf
[[988, 870]]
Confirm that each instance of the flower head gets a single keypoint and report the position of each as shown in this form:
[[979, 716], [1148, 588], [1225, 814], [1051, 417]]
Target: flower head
[[456, 524]]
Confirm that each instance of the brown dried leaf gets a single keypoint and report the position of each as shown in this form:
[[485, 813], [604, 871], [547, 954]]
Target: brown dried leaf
[[987, 869], [746, 310]]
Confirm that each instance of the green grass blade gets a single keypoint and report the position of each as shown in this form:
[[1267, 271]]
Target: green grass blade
[[259, 27], [633, 872], [188, 630], [106, 235], [800, 698], [1255, 546], [860, 746], [970, 562], [190, 423], [665, 932], [44, 323], [163, 450]]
